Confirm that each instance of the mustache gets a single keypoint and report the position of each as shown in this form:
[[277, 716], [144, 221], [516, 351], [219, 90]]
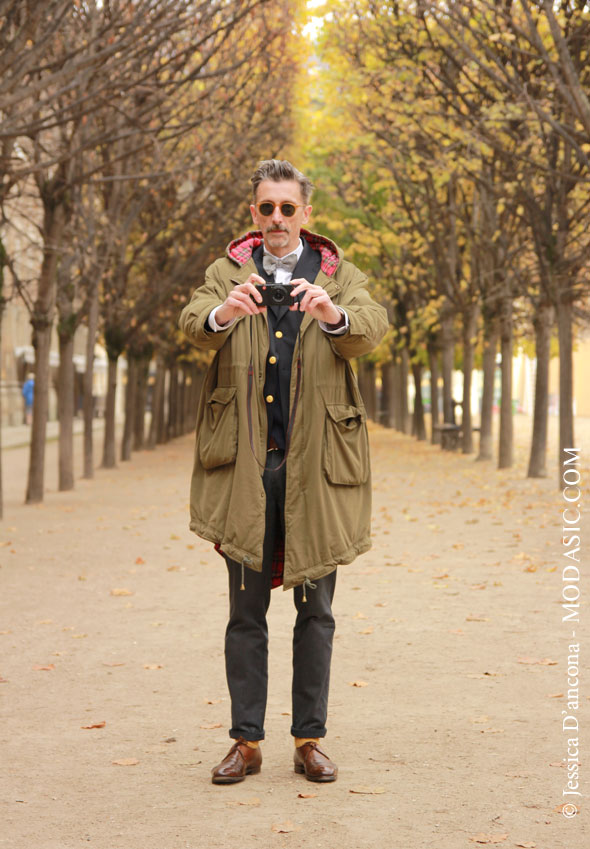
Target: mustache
[[276, 230]]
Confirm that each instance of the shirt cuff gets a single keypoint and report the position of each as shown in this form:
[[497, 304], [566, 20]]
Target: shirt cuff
[[339, 330], [213, 324]]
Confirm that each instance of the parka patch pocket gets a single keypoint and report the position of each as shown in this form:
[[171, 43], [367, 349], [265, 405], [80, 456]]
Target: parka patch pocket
[[346, 445], [218, 438]]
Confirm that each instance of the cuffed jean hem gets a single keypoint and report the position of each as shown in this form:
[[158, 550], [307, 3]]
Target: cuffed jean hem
[[246, 735], [307, 732]]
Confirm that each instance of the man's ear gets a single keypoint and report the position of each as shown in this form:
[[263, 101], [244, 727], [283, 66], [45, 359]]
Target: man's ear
[[307, 213]]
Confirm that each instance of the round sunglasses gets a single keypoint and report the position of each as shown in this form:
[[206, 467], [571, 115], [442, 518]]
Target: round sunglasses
[[267, 207]]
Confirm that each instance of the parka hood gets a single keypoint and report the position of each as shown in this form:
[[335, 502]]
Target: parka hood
[[240, 250]]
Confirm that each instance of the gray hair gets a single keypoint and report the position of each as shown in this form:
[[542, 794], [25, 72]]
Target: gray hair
[[281, 169]]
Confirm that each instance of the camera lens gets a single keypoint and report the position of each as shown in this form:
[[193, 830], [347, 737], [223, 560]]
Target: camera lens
[[279, 296]]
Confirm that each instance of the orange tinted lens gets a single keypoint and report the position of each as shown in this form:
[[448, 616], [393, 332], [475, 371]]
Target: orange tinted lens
[[288, 209], [266, 208]]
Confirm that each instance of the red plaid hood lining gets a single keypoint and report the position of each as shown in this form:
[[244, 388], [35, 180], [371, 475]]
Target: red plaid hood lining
[[241, 249]]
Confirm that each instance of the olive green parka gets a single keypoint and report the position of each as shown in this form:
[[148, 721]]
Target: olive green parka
[[328, 477]]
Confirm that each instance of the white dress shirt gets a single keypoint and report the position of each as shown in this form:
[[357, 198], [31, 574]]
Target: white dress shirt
[[282, 276]]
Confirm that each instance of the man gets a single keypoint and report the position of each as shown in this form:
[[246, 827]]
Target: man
[[281, 480]]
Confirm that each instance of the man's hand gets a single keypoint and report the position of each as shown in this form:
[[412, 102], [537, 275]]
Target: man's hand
[[315, 301], [239, 302]]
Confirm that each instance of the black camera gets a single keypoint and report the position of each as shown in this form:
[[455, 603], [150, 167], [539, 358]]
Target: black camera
[[276, 295]]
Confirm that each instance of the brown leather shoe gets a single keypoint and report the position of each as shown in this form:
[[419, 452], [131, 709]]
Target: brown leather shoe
[[240, 761], [316, 765]]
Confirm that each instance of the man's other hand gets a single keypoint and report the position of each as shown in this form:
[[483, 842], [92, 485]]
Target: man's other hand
[[239, 302], [315, 301]]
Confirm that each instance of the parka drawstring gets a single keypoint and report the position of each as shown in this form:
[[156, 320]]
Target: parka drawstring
[[245, 561], [311, 586]]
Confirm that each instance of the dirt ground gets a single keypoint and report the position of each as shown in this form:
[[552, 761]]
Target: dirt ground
[[449, 672]]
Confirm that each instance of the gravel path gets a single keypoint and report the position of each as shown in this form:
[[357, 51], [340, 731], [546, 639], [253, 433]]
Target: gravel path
[[449, 660]]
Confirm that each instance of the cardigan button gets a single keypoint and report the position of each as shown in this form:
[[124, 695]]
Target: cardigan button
[[269, 399], [279, 334], [272, 360]]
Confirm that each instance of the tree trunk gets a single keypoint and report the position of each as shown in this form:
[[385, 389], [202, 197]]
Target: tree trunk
[[418, 424], [387, 394], [566, 381], [432, 348], [109, 460], [143, 365], [490, 346], [36, 478], [65, 407], [54, 222], [2, 306], [172, 402], [157, 420], [130, 394], [448, 361], [543, 322], [88, 398], [403, 390], [469, 332], [505, 454]]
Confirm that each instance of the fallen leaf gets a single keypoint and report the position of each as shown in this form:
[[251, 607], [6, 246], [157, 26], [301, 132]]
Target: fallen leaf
[[368, 790], [359, 683], [121, 591], [488, 838], [173, 569], [441, 576], [210, 725], [528, 844], [152, 666], [96, 725], [478, 587], [139, 561], [253, 802], [366, 631], [126, 762], [284, 827], [106, 663], [476, 619], [554, 695], [49, 668], [307, 795]]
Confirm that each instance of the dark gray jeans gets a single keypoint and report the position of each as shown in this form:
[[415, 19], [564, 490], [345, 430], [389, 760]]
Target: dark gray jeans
[[246, 636]]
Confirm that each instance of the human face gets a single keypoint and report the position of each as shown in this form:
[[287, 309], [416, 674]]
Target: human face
[[280, 234]]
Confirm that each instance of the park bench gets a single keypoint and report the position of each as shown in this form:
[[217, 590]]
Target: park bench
[[450, 435]]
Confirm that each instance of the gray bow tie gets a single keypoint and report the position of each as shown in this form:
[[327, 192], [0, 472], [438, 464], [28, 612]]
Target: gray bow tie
[[271, 263]]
